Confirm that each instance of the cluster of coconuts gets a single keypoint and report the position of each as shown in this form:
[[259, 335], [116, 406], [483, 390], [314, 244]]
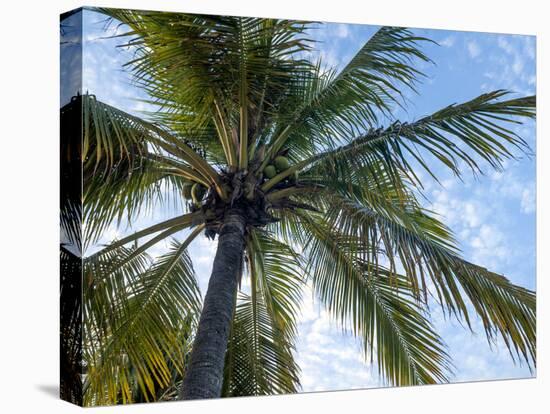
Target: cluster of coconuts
[[280, 164], [194, 192]]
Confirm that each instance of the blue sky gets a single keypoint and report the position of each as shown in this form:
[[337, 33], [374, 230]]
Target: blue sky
[[493, 216]]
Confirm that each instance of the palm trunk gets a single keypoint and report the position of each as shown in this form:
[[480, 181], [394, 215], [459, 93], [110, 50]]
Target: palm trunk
[[204, 375]]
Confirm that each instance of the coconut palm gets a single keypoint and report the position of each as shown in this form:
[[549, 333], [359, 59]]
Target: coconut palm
[[306, 180]]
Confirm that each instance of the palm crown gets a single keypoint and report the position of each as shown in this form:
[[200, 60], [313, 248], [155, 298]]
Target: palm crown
[[305, 178]]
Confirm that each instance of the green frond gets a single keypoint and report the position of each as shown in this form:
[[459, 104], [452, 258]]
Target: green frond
[[338, 105], [378, 306], [122, 175], [424, 247], [428, 360], [259, 358], [244, 53], [167, 228], [218, 58], [276, 269], [138, 324], [128, 198], [506, 310], [456, 135]]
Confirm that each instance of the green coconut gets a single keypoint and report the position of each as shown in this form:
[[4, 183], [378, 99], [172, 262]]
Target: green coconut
[[281, 163], [187, 190], [197, 192], [270, 171]]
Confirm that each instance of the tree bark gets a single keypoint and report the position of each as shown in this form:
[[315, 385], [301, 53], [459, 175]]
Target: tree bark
[[204, 374]]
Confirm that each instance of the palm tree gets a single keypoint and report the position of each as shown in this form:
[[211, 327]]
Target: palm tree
[[305, 178]]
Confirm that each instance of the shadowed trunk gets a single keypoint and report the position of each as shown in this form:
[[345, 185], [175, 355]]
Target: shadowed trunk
[[204, 375]]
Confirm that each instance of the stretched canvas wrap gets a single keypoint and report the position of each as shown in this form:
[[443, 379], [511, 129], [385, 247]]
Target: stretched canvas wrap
[[255, 206]]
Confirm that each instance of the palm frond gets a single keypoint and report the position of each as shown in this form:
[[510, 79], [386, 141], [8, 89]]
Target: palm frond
[[335, 105], [138, 323], [217, 58], [424, 247], [122, 176], [276, 269], [378, 306], [167, 227], [454, 135], [259, 358]]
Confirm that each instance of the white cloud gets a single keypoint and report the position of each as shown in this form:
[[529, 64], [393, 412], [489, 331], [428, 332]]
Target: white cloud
[[514, 187], [458, 212], [310, 310], [206, 250], [202, 252], [342, 30], [473, 49], [505, 45], [472, 214], [528, 200], [449, 41], [529, 47], [490, 248], [517, 66], [330, 358], [514, 61]]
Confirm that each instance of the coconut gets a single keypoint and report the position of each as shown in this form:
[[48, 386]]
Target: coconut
[[270, 171], [187, 190], [197, 192], [281, 163]]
